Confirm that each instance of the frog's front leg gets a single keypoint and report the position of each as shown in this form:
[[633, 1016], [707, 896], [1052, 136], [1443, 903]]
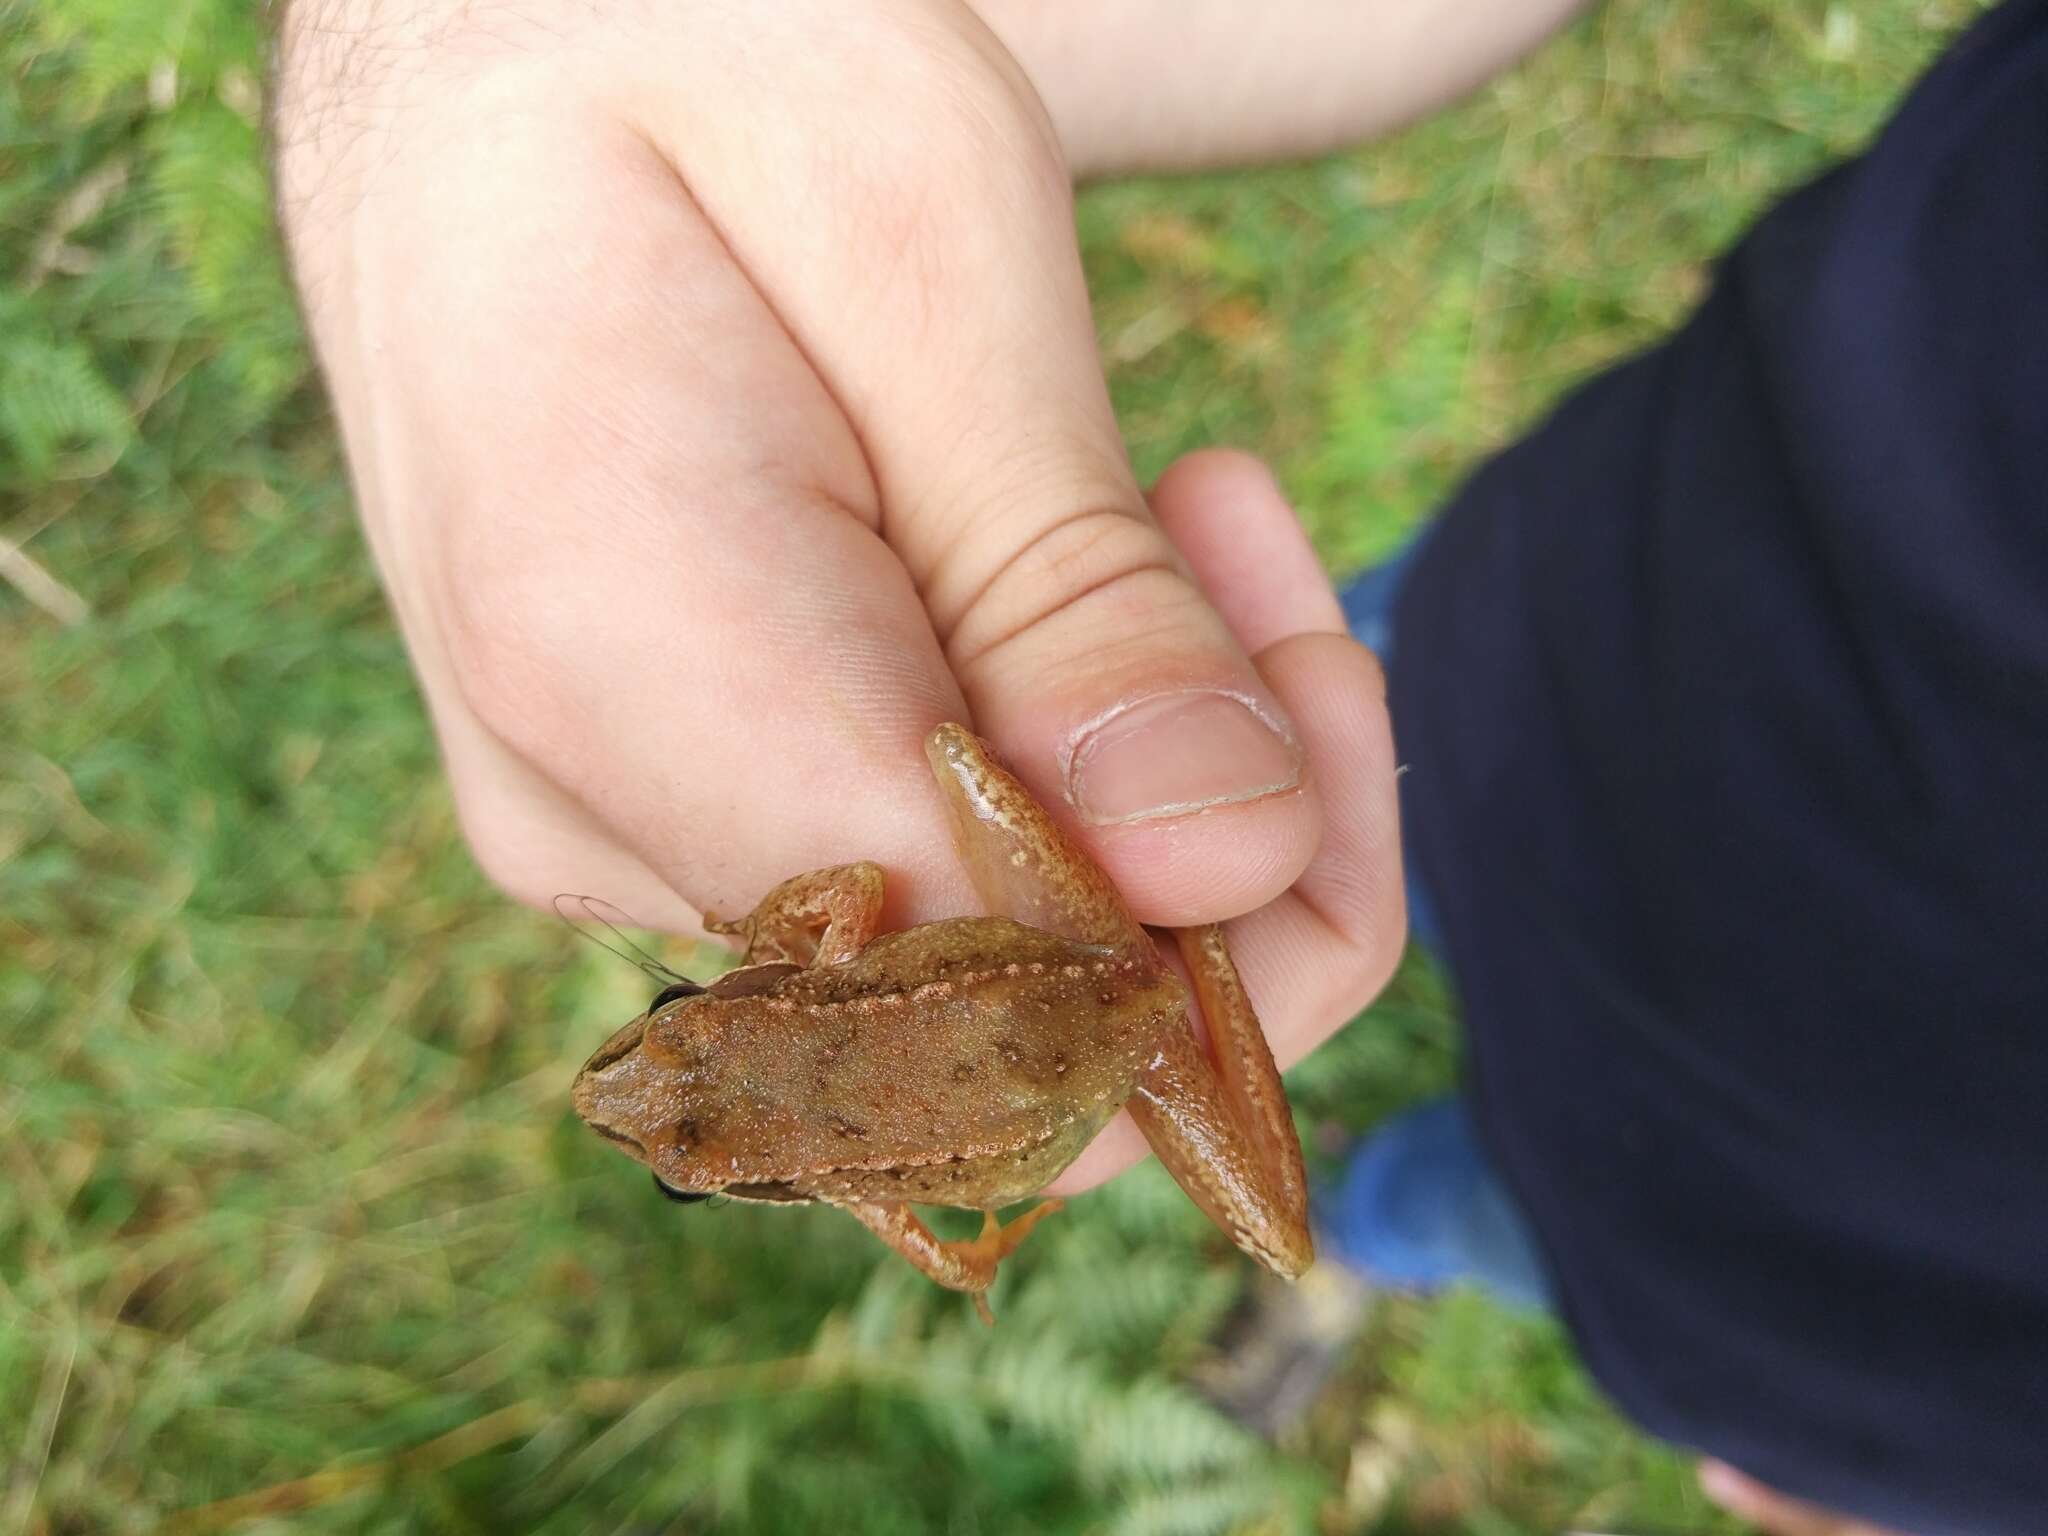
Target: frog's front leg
[[1022, 864], [959, 1266], [823, 918]]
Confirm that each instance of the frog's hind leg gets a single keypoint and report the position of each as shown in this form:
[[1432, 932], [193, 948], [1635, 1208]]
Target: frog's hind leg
[[1219, 1122], [1249, 1076], [961, 1266], [824, 918]]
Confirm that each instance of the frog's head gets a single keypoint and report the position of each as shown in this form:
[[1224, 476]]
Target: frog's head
[[627, 1089], [661, 1088]]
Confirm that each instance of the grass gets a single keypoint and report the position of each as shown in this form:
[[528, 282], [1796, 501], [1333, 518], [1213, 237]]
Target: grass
[[288, 1185]]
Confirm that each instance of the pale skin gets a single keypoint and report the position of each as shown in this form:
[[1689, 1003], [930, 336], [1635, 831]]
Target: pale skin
[[704, 346], [964, 1062], [688, 351]]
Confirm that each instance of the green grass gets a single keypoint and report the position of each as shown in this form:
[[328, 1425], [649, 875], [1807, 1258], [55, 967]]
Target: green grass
[[287, 1176]]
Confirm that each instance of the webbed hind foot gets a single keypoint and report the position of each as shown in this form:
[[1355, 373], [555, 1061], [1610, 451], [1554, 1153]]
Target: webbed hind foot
[[959, 1266]]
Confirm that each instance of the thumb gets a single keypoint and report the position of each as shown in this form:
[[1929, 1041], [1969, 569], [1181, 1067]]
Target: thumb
[[933, 279]]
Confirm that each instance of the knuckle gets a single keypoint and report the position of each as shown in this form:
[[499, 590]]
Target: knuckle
[[1100, 555], [964, 99], [954, 135]]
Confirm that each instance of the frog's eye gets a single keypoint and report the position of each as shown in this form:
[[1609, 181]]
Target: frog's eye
[[680, 1196], [669, 994]]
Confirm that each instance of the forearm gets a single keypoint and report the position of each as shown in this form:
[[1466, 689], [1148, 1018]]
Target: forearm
[[1179, 84]]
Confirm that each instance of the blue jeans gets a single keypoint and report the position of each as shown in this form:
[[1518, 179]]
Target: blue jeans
[[1418, 1206]]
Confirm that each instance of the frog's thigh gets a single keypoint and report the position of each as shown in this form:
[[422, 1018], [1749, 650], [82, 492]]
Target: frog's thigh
[[1223, 1158], [1023, 866], [825, 917], [963, 1266]]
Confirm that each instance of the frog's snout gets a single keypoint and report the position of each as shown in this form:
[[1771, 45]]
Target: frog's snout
[[604, 1098]]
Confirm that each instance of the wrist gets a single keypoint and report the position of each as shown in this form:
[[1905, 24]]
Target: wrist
[[371, 99], [334, 59]]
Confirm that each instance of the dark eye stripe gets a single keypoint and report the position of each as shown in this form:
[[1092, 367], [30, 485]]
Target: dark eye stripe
[[619, 1136], [616, 1049]]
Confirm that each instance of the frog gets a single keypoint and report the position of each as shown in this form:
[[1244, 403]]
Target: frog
[[960, 1063]]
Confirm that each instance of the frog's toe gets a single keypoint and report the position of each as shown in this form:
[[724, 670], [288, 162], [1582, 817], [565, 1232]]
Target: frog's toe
[[1008, 1238]]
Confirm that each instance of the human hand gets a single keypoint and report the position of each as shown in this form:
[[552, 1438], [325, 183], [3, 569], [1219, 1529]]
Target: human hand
[[1773, 1512], [722, 400]]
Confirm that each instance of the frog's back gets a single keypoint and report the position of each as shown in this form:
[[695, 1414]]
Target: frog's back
[[951, 1043]]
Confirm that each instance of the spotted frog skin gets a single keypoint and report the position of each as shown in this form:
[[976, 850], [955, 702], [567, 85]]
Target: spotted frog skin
[[958, 1063]]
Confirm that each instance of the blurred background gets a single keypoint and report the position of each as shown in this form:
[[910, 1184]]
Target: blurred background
[[291, 1201]]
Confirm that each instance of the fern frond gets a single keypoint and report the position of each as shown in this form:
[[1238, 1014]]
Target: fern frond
[[54, 400], [212, 193], [1107, 1299], [118, 48], [1204, 1509]]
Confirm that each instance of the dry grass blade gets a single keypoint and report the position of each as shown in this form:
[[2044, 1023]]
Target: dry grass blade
[[40, 587], [53, 251], [505, 1425]]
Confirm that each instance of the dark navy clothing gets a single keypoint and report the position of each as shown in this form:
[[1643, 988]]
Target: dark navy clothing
[[1725, 700]]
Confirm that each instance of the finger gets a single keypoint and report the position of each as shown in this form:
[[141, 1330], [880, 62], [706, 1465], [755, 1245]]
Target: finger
[[1314, 957], [1216, 504], [1219, 506], [1780, 1515], [926, 263]]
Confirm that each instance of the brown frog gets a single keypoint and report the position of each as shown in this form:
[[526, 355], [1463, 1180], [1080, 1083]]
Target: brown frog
[[958, 1063]]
